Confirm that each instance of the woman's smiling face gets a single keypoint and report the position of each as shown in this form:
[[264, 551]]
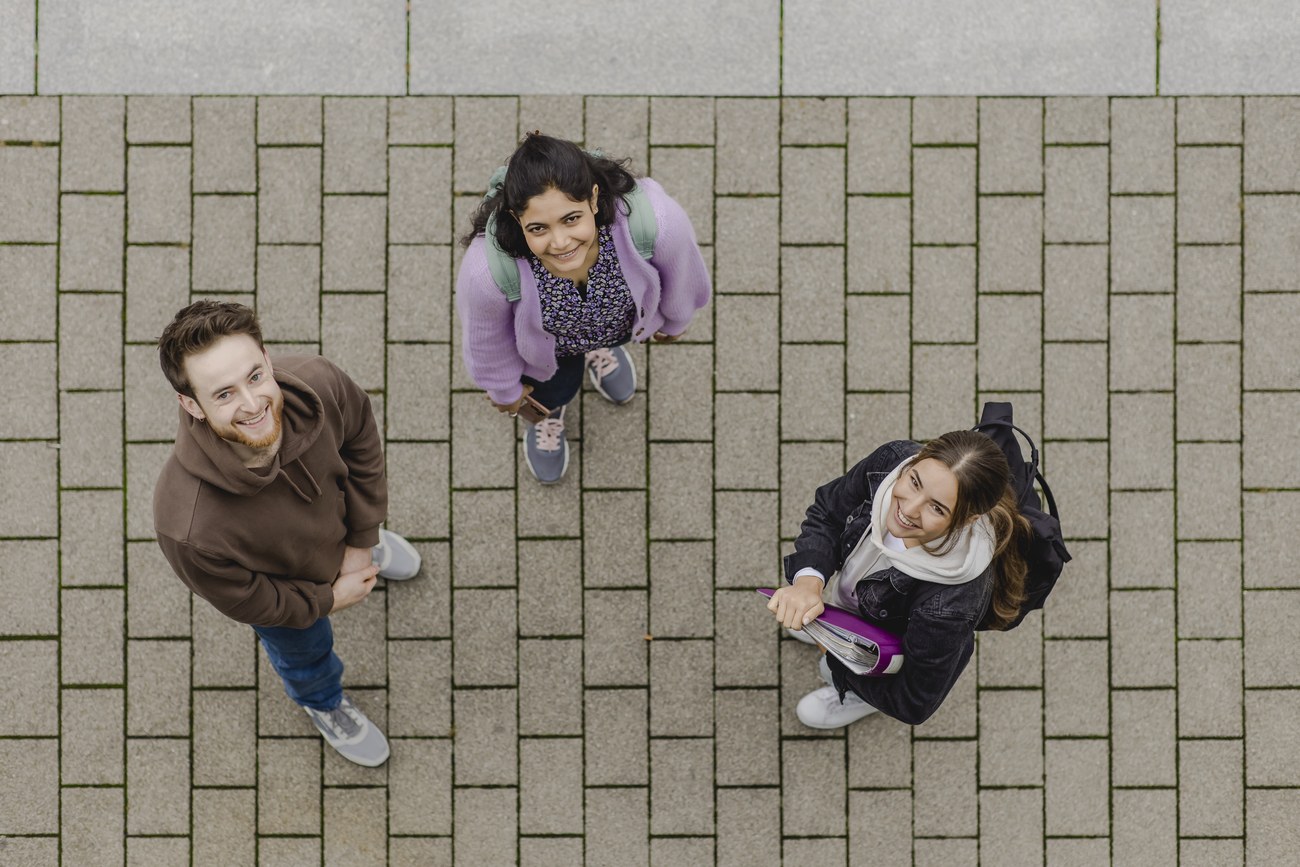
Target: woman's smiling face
[[561, 232], [923, 499]]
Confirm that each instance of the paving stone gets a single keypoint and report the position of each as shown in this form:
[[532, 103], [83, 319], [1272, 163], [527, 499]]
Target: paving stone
[[748, 146], [1201, 852], [418, 287], [420, 120], [1010, 342], [681, 393], [550, 687], [943, 196], [747, 340], [29, 194], [943, 296], [958, 716], [1141, 538], [749, 827], [419, 787], [1012, 659], [1141, 343], [951, 852], [27, 282], [945, 800], [681, 494], [945, 120], [1270, 362], [417, 388], [812, 293], [355, 145], [809, 766], [879, 348], [879, 829], [880, 755], [746, 547], [620, 126], [681, 786], [681, 582], [92, 728], [745, 628], [288, 783], [1209, 120], [1011, 820], [225, 147], [1142, 739], [1077, 790], [1209, 689], [28, 489], [480, 558], [747, 726], [558, 115], [616, 622], [419, 680], [1142, 244], [1142, 638], [681, 674], [224, 738], [812, 380], [616, 827], [746, 455], [1011, 730], [31, 367], [879, 140], [687, 175], [288, 291], [486, 134], [812, 185], [158, 688], [419, 201], [1209, 801], [1209, 293], [1271, 835], [1272, 160], [879, 245], [90, 356], [225, 244], [158, 119], [1272, 749], [1011, 251], [91, 826], [1077, 851], [484, 653], [1076, 695], [288, 851], [418, 609], [1144, 423], [805, 466], [550, 786], [1209, 393], [1011, 153], [157, 285], [90, 251], [1143, 828], [29, 676], [1142, 145], [1075, 396], [151, 409], [812, 120], [29, 119], [616, 738], [943, 382], [1209, 195], [1206, 473], [359, 639], [747, 244], [1075, 293], [29, 786], [1268, 518], [1076, 120], [225, 652], [283, 120], [1267, 426], [614, 451], [354, 243], [486, 737], [355, 826], [614, 539], [1270, 233], [1269, 660], [289, 196], [352, 336], [157, 199], [484, 438], [545, 851], [1075, 200], [93, 146], [158, 785], [92, 625], [681, 850]]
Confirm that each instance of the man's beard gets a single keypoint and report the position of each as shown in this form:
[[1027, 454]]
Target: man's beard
[[233, 433]]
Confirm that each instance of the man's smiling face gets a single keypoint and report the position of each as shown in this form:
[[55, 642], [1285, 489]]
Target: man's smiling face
[[236, 393]]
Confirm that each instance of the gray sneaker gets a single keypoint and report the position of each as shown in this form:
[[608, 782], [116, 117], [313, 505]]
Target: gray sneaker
[[396, 558], [546, 450], [350, 732], [612, 373]]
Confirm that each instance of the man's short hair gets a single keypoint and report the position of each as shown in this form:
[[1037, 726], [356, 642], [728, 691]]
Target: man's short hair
[[195, 328]]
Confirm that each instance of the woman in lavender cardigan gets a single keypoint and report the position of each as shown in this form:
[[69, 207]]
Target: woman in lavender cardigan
[[584, 290]]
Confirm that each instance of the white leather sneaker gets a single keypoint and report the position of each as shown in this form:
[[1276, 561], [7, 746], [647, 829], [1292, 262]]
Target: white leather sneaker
[[821, 709]]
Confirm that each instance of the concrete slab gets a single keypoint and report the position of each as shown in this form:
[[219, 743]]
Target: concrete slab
[[726, 48], [877, 47], [18, 46], [228, 47], [1220, 48]]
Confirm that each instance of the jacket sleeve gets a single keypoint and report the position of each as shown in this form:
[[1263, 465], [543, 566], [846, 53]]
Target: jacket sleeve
[[683, 277], [487, 329], [936, 649], [365, 492], [248, 597]]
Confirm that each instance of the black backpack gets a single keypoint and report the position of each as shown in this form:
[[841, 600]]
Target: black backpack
[[1045, 553]]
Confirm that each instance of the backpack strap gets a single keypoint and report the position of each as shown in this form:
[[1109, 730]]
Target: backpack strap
[[641, 221], [1033, 451]]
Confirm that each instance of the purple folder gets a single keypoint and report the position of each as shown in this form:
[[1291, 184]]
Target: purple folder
[[878, 651]]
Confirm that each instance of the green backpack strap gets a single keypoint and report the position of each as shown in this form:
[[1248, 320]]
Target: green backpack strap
[[505, 271]]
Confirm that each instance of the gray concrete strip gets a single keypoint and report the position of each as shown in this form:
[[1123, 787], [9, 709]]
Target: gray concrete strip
[[679, 47], [240, 46], [18, 46], [1014, 47], [1238, 48]]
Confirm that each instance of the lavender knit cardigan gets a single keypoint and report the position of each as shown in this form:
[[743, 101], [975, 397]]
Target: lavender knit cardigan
[[504, 341]]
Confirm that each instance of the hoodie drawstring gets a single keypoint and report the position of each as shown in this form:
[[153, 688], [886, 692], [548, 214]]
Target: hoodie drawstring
[[316, 489]]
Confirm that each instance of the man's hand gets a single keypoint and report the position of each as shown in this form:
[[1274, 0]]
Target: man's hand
[[512, 408], [660, 337], [353, 587], [799, 603]]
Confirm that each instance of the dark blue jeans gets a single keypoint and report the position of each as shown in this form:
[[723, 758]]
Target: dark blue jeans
[[563, 386], [306, 662]]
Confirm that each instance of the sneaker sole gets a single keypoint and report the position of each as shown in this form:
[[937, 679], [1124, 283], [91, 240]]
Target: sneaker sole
[[595, 383]]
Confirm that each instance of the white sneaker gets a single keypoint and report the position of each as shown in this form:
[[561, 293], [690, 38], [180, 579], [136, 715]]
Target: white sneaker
[[821, 708]]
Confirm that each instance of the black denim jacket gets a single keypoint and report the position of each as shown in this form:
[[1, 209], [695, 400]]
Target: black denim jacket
[[937, 621]]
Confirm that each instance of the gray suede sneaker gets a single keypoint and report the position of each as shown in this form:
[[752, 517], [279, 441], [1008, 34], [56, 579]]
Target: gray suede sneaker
[[612, 373], [546, 450], [396, 558], [350, 732]]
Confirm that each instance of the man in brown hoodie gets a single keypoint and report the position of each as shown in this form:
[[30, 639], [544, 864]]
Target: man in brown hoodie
[[270, 503]]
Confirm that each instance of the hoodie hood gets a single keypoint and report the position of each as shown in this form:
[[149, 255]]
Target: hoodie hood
[[210, 458], [965, 562]]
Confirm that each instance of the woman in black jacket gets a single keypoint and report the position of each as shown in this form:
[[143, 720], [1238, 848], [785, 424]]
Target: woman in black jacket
[[920, 540]]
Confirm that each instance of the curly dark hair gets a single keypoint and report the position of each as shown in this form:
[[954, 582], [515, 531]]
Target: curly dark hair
[[543, 162], [195, 328]]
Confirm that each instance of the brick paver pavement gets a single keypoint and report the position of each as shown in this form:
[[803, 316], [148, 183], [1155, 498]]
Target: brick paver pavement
[[584, 671]]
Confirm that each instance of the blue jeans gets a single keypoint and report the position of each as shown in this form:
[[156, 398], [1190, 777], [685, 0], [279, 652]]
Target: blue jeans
[[563, 386], [306, 662]]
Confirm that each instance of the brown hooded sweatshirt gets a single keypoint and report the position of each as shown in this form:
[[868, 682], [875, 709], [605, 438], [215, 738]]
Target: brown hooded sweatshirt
[[264, 546]]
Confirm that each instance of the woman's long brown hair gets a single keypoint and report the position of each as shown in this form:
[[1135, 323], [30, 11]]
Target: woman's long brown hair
[[984, 488]]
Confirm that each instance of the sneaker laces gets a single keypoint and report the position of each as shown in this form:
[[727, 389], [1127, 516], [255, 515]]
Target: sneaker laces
[[549, 433], [602, 362], [342, 724]]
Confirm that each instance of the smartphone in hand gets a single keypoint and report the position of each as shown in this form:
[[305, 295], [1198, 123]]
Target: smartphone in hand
[[531, 411]]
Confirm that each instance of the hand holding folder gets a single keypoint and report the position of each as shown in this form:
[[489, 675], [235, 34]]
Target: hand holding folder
[[863, 647]]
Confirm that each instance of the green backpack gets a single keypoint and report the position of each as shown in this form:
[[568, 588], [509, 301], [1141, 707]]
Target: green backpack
[[505, 273]]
